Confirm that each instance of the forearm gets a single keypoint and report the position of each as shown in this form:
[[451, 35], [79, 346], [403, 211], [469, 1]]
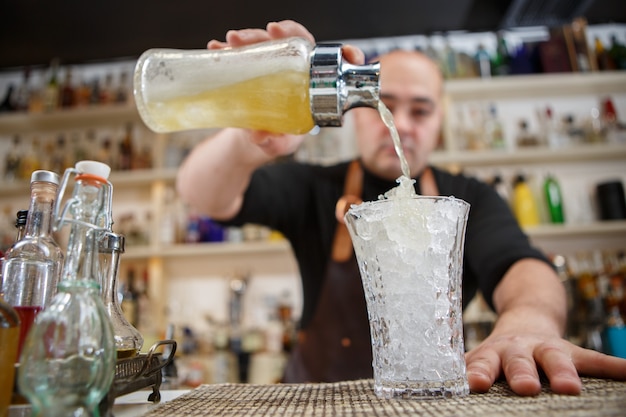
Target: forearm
[[215, 175], [530, 298]]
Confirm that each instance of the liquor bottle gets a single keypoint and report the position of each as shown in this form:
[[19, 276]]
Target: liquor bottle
[[22, 94], [13, 160], [9, 338], [126, 154], [501, 188], [130, 299], [617, 51], [524, 138], [286, 86], [605, 61], [32, 266], [501, 62], [483, 62], [128, 340], [554, 199], [67, 94], [107, 93], [69, 357], [121, 93], [524, 205], [493, 129], [31, 161], [51, 92], [6, 104]]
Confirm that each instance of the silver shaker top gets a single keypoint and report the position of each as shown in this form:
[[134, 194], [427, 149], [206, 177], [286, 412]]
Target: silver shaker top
[[337, 86], [111, 242]]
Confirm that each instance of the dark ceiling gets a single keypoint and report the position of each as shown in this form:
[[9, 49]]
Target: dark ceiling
[[33, 32]]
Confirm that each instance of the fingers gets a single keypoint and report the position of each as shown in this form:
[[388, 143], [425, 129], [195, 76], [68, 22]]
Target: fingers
[[279, 30], [243, 37], [353, 54], [483, 368], [596, 364], [274, 30], [520, 371], [287, 28], [557, 364]]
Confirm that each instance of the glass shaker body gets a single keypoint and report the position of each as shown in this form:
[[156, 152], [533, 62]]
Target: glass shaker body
[[285, 86], [128, 340], [32, 266], [68, 360]]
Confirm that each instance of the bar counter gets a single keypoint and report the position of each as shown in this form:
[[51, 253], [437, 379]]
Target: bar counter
[[599, 398]]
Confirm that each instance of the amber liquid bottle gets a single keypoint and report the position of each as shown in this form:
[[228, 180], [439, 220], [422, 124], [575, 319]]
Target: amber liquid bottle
[[9, 338]]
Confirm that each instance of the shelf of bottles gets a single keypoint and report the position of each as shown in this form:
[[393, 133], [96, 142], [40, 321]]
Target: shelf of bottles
[[534, 85]]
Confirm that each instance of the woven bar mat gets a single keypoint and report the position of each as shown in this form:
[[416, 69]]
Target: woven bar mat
[[599, 398]]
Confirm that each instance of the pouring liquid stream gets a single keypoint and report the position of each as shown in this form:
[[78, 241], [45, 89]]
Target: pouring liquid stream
[[405, 181]]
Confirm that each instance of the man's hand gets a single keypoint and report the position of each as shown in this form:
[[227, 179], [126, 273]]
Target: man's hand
[[527, 338], [521, 357]]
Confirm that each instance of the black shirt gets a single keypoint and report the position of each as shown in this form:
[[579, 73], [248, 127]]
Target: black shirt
[[299, 201]]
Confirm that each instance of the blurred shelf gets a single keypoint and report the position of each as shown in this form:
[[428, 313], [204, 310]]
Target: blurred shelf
[[599, 228], [75, 118], [208, 249], [142, 177], [607, 227], [119, 179], [538, 155], [537, 85]]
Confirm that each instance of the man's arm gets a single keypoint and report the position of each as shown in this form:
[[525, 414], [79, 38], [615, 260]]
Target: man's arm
[[527, 337], [215, 175]]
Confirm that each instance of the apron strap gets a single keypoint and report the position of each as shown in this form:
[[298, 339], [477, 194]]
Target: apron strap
[[352, 191]]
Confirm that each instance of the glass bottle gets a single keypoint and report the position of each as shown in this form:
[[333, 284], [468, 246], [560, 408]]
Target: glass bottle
[[128, 340], [51, 92], [130, 300], [483, 62], [32, 266], [20, 224], [286, 85], [493, 129], [68, 361], [524, 205], [554, 198], [9, 340]]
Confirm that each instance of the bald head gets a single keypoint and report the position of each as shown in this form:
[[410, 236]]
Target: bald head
[[404, 67], [411, 87]]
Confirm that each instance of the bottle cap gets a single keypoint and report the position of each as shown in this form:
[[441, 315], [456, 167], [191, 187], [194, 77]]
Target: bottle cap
[[94, 168], [20, 220], [44, 176], [111, 241], [337, 86]]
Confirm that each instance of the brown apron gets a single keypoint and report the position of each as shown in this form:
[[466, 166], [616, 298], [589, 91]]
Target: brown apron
[[336, 345]]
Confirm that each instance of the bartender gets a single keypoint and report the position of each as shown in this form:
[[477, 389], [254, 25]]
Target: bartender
[[231, 177]]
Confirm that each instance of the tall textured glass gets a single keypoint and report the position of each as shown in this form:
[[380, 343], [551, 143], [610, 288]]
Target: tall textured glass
[[68, 361], [410, 255], [32, 266]]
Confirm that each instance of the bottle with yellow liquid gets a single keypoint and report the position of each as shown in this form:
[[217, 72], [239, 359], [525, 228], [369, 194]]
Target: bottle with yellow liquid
[[283, 86], [524, 204]]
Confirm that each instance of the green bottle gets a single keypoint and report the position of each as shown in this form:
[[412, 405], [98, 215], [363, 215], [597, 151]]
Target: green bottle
[[554, 199]]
